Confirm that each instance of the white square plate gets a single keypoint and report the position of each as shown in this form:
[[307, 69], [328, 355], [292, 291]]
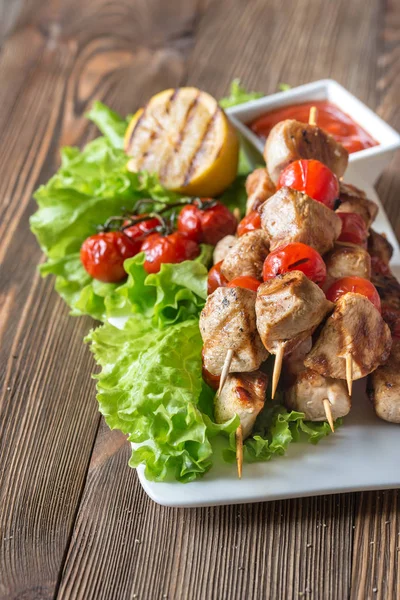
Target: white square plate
[[363, 454]]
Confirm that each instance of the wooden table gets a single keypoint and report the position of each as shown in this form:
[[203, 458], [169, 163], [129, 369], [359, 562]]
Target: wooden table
[[74, 521]]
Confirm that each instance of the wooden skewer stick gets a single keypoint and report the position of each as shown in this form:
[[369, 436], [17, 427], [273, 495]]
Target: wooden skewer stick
[[349, 372], [313, 116], [225, 370], [239, 450], [236, 213], [277, 368], [328, 413]]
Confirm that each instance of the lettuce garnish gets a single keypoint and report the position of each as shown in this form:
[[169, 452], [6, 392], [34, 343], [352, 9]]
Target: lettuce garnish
[[150, 385]]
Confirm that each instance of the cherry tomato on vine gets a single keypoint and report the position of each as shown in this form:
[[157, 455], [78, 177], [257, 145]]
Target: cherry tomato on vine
[[142, 229], [215, 278], [359, 285], [354, 229], [173, 248], [250, 222], [103, 255], [245, 281], [206, 224], [312, 177], [295, 257]]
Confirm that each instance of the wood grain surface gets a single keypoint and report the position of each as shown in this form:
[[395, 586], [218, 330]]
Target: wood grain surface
[[74, 521]]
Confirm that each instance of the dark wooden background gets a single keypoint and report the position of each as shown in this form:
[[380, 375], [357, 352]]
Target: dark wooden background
[[74, 521]]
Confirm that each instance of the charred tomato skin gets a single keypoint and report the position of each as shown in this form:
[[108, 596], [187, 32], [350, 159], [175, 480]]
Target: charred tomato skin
[[295, 257], [215, 278], [250, 222], [313, 178], [173, 248], [103, 255], [208, 224], [358, 285]]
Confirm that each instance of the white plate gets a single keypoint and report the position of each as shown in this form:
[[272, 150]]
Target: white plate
[[363, 454]]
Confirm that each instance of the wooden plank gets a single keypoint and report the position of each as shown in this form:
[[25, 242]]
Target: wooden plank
[[279, 550], [376, 553], [58, 59]]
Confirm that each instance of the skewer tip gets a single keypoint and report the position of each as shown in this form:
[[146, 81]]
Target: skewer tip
[[277, 369], [349, 372], [328, 413], [313, 116], [239, 450]]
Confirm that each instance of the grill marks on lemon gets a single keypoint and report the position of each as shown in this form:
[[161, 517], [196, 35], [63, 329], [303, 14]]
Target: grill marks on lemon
[[184, 137]]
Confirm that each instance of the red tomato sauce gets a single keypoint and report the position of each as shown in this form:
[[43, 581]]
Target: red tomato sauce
[[330, 117]]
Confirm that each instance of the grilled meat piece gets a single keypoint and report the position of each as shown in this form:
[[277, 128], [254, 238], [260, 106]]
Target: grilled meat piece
[[355, 327], [223, 247], [289, 308], [247, 256], [379, 247], [353, 200], [305, 390], [311, 389], [243, 394], [346, 260], [384, 386], [228, 320], [259, 188], [291, 216], [291, 140]]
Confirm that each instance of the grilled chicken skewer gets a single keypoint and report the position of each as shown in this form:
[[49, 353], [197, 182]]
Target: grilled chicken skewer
[[291, 140], [318, 397], [243, 394], [228, 322], [288, 308], [356, 328], [384, 383]]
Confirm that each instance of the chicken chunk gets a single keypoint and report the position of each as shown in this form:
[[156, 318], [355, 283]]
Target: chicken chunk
[[259, 188], [384, 386], [223, 247], [247, 256], [228, 321], [357, 328], [379, 247], [346, 260], [353, 200], [291, 216], [309, 391], [243, 394], [291, 140], [289, 308]]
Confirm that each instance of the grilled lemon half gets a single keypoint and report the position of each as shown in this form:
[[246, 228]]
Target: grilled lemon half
[[185, 137]]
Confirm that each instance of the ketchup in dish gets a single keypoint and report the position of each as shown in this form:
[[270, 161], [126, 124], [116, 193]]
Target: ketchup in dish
[[330, 118]]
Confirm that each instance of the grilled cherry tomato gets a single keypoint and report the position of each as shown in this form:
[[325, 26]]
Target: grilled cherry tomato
[[172, 248], [295, 257], [359, 285], [142, 229], [215, 278], [245, 281], [354, 229], [208, 225], [250, 222], [103, 255], [313, 178], [209, 378]]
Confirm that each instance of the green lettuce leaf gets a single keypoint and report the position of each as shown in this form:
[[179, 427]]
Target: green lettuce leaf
[[111, 124], [238, 95], [150, 388]]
